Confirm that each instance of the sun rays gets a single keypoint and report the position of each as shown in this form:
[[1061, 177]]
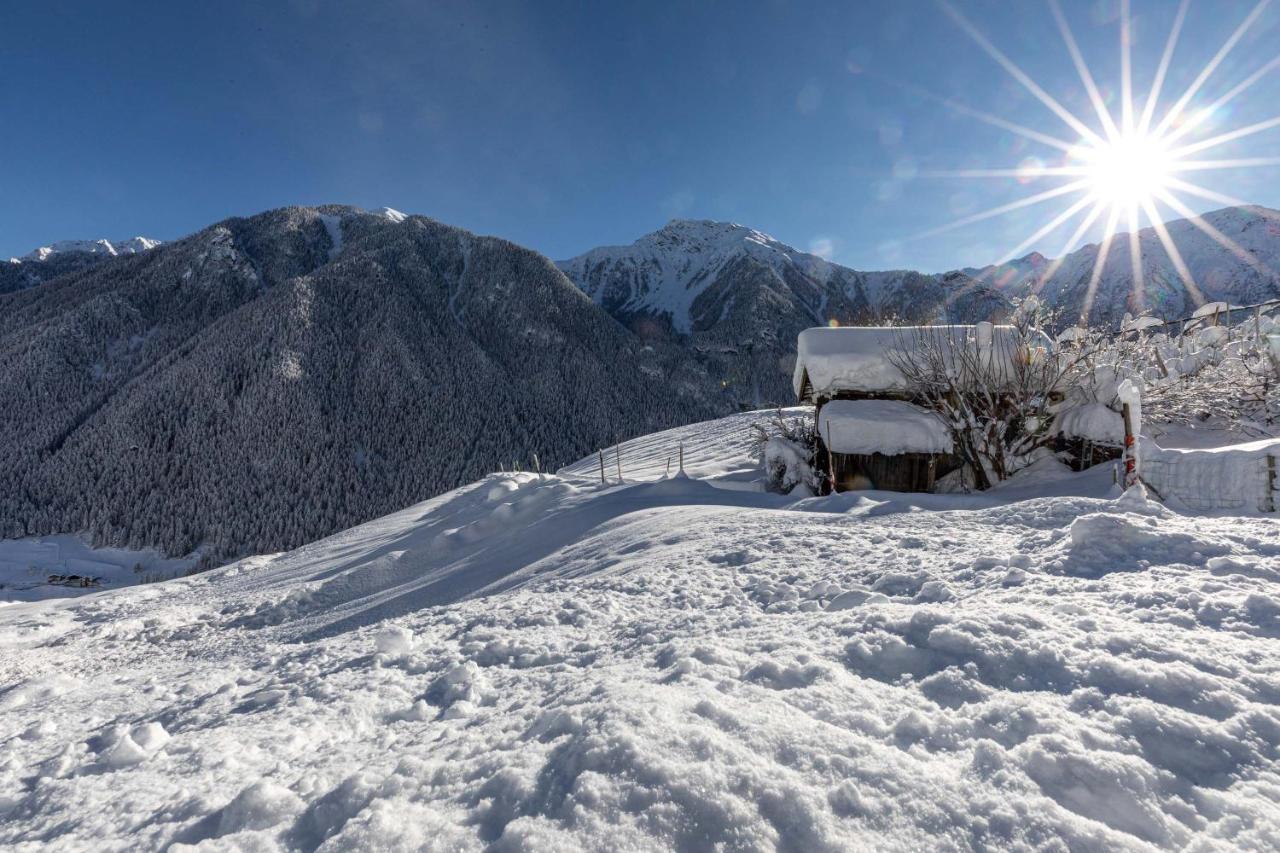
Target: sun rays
[[1124, 164]]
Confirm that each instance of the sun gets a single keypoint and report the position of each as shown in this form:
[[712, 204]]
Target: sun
[[1126, 167], [1130, 171]]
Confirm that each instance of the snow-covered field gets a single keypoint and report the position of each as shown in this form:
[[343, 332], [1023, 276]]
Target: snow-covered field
[[543, 662], [62, 566]]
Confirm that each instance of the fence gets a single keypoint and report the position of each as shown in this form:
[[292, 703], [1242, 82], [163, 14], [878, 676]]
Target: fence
[[1245, 477], [1229, 317]]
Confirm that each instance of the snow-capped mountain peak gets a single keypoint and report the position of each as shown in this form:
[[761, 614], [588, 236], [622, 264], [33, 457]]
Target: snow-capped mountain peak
[[130, 246], [666, 271]]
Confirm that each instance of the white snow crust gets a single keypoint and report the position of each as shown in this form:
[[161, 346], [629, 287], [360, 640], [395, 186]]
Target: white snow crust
[[882, 426], [549, 663]]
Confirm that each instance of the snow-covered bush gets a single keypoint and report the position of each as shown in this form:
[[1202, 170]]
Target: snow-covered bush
[[993, 391], [785, 448], [1221, 376]]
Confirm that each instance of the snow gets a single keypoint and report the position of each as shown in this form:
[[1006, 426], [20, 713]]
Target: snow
[[853, 358], [1234, 477], [882, 426], [545, 662], [333, 225], [391, 213], [1138, 324], [1211, 308], [1094, 421], [27, 565]]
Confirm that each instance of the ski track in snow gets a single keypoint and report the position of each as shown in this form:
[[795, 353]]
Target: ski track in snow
[[549, 663]]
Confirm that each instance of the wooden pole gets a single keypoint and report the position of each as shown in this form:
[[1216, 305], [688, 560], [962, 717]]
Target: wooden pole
[[1130, 460], [1271, 484], [603, 481], [682, 457], [617, 458], [831, 462]]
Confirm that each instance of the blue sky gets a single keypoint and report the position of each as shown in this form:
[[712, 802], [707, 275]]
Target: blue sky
[[564, 126]]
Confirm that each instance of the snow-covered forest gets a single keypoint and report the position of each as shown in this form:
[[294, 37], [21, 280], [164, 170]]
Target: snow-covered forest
[[409, 359]]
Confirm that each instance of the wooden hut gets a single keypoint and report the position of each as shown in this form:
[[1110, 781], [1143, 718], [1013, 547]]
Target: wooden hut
[[1088, 434], [873, 432], [883, 444]]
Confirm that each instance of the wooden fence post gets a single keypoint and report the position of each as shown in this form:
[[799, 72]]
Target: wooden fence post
[[1270, 503], [1130, 460], [617, 458], [831, 462], [603, 481]]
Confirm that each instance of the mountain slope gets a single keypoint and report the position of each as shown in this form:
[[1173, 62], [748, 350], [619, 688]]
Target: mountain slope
[[543, 663], [1220, 274], [738, 298], [261, 383]]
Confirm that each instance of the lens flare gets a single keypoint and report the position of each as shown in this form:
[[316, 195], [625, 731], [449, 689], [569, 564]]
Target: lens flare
[[1126, 167]]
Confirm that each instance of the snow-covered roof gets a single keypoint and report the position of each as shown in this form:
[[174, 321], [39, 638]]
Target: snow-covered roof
[[1211, 308], [1137, 324], [881, 426], [1094, 421], [860, 358]]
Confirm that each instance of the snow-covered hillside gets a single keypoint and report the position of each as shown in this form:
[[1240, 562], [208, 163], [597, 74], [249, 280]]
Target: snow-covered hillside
[[552, 663], [60, 566]]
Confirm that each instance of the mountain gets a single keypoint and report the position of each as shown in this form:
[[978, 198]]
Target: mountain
[[1221, 274], [65, 256], [110, 248], [272, 379], [737, 298]]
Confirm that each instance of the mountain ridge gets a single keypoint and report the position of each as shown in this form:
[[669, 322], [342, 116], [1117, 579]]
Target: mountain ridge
[[1219, 273]]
